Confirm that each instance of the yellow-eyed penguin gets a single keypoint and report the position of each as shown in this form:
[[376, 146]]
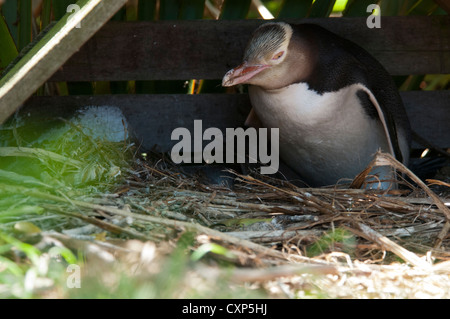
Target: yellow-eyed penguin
[[334, 104]]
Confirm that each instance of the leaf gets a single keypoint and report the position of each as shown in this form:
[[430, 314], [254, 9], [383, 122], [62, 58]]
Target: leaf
[[24, 23], [60, 8], [46, 15], [9, 50], [169, 9], [25, 227], [235, 9], [191, 9], [321, 8], [357, 8], [30, 251], [147, 10], [211, 248], [295, 9], [65, 253]]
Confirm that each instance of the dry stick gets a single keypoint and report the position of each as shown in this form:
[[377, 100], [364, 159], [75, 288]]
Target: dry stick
[[381, 159], [253, 206], [262, 275], [306, 197], [187, 225], [102, 224], [389, 245], [274, 235], [442, 234]]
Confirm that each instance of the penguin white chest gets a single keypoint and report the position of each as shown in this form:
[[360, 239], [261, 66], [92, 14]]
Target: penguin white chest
[[324, 137]]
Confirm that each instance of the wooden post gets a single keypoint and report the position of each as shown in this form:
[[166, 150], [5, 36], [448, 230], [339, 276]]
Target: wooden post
[[49, 54]]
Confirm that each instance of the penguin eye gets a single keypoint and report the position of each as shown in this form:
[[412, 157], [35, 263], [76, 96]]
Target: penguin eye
[[278, 55]]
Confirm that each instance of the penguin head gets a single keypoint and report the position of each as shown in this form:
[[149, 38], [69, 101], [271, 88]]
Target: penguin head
[[268, 58]]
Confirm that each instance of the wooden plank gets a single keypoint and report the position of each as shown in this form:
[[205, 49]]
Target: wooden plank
[[206, 49], [152, 118], [52, 51], [429, 114]]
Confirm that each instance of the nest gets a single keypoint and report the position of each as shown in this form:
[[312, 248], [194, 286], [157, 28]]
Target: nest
[[280, 233], [341, 240], [275, 213]]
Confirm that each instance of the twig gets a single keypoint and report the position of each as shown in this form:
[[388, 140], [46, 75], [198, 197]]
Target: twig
[[389, 245], [274, 235], [303, 197], [442, 234], [260, 275]]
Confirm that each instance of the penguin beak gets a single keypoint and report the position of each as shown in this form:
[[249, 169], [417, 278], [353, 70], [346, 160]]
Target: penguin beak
[[242, 73]]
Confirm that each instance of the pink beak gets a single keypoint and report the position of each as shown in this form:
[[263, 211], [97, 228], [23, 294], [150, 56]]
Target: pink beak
[[242, 73]]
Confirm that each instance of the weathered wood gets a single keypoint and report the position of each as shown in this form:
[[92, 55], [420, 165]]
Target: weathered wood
[[152, 118], [206, 49], [429, 114], [51, 52]]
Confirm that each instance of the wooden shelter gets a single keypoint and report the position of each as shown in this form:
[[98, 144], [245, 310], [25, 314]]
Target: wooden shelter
[[206, 49]]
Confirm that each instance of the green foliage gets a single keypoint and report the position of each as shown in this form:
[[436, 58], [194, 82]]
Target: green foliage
[[147, 10], [211, 248], [65, 160], [422, 7], [8, 51], [10, 14], [321, 8], [169, 9], [357, 8], [235, 9], [191, 9], [295, 9], [46, 15], [336, 240], [24, 28], [60, 7]]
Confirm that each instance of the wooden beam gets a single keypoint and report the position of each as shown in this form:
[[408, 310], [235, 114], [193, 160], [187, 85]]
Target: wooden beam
[[152, 118], [429, 114], [52, 51], [206, 49]]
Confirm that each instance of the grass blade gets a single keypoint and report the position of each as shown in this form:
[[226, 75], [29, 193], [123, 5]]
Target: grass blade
[[357, 8], [169, 9], [394, 8], [191, 9], [321, 8], [235, 9], [9, 12], [9, 50], [146, 10], [295, 9], [46, 15], [25, 14], [60, 8], [423, 7]]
